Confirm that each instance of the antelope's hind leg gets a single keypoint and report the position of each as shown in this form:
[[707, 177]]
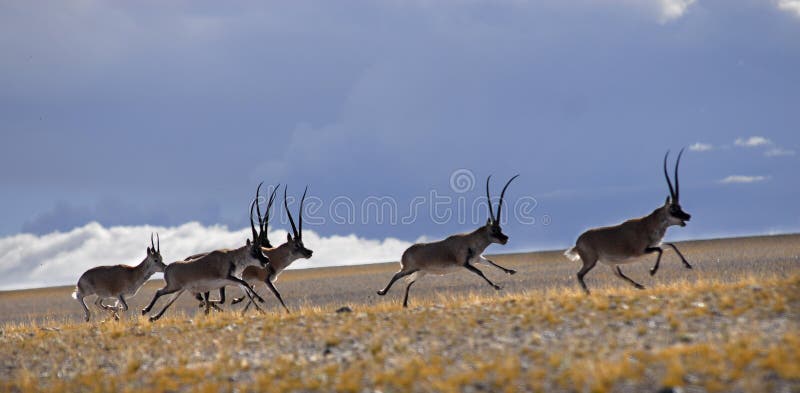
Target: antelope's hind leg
[[410, 283], [396, 277], [80, 298], [589, 263]]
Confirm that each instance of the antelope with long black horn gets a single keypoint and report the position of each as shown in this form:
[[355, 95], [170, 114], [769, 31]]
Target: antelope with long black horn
[[623, 243], [118, 281], [280, 257], [266, 246], [211, 271], [455, 252]]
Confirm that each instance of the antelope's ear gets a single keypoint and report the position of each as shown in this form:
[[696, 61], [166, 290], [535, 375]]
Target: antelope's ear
[[148, 251], [288, 237], [667, 202], [248, 242], [489, 220]]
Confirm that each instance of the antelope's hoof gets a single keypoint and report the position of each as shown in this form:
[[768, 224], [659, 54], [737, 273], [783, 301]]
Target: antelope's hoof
[[381, 293], [511, 271], [688, 266], [652, 272], [497, 287], [152, 319], [144, 311], [639, 286]]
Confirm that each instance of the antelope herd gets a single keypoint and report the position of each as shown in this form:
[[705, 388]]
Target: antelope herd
[[258, 261]]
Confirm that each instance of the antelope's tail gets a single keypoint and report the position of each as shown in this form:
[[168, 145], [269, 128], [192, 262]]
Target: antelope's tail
[[572, 254], [75, 293]]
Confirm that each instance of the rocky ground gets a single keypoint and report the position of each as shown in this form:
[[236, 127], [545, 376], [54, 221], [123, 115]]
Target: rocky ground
[[728, 325]]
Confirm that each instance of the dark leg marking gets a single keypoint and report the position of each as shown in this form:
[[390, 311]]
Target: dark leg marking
[[157, 316], [626, 278], [480, 273], [588, 264], [683, 259], [405, 299], [507, 271], [159, 293], [660, 251], [396, 277]]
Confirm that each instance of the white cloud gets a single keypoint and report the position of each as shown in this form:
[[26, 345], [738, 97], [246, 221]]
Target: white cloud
[[699, 146], [752, 141], [739, 179], [779, 151], [673, 9], [790, 6], [60, 258]]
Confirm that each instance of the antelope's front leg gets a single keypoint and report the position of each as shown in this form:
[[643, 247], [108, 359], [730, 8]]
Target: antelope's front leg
[[683, 259], [482, 259], [470, 254]]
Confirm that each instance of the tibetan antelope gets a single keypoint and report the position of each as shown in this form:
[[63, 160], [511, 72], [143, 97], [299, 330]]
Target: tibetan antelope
[[211, 271], [204, 298], [455, 252], [279, 257], [620, 244], [118, 281]]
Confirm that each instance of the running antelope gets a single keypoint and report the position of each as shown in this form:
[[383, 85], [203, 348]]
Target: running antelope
[[204, 298], [279, 257], [118, 281], [455, 252], [620, 244], [211, 271]]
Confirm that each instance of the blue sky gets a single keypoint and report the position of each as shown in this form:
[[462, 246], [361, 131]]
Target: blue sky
[[134, 114]]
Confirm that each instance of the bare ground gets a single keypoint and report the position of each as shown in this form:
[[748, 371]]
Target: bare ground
[[729, 324]]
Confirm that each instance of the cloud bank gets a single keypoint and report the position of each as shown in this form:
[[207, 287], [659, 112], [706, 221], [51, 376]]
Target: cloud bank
[[752, 141], [733, 179], [790, 6], [700, 146], [59, 258]]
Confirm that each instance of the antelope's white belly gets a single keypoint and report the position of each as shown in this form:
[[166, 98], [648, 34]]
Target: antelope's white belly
[[206, 285], [442, 269], [612, 261]]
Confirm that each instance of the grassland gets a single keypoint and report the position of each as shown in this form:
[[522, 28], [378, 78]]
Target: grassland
[[699, 331]]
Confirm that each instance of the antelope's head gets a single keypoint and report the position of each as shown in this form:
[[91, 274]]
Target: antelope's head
[[492, 228], [154, 259], [295, 243], [672, 207]]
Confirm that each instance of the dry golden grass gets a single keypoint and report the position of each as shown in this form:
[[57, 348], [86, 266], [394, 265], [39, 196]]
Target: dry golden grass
[[704, 334]]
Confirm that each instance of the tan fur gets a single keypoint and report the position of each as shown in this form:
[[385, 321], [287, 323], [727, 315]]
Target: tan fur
[[117, 282], [621, 243], [209, 271]]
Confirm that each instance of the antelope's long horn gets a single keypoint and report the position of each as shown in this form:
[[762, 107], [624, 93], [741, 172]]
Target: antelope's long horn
[[489, 200], [158, 243], [286, 206], [252, 225], [258, 206], [503, 195], [300, 214], [666, 175], [677, 183], [269, 207], [152, 245]]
